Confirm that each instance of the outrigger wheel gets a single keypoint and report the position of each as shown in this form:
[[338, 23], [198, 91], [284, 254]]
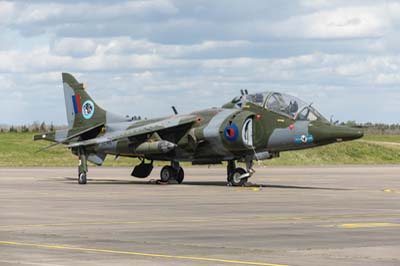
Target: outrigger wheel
[[82, 179], [82, 168], [169, 173]]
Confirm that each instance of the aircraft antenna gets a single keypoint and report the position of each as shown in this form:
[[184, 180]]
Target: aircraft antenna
[[174, 109]]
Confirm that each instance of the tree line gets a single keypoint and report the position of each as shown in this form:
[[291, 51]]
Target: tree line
[[375, 128], [35, 127]]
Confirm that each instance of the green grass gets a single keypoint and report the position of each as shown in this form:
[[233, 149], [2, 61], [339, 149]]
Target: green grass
[[18, 149], [386, 138], [355, 152]]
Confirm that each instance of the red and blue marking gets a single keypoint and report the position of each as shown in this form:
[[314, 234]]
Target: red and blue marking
[[76, 102], [231, 132]]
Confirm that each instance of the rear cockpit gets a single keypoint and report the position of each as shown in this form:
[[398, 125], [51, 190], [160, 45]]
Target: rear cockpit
[[281, 103]]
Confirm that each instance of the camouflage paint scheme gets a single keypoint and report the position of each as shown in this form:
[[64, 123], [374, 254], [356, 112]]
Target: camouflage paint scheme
[[250, 127]]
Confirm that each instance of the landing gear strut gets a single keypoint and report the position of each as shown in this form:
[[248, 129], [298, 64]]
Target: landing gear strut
[[237, 176], [172, 172], [82, 168]]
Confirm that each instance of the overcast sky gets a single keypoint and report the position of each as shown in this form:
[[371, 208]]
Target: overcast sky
[[141, 57]]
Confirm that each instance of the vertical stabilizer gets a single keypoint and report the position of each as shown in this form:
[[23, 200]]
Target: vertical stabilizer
[[82, 110]]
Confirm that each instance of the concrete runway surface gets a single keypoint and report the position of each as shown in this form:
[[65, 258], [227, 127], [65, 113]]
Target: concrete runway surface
[[347, 215]]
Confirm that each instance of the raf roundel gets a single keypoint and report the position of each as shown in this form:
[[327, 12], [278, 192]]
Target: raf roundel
[[304, 139], [88, 109], [231, 132]]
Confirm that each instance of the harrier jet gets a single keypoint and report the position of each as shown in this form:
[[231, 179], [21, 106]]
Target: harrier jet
[[250, 127]]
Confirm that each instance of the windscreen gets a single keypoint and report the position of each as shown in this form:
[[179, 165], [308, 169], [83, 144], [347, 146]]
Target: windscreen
[[285, 104], [309, 113], [292, 107]]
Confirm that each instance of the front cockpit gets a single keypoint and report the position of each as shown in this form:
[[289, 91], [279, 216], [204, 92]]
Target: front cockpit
[[281, 103]]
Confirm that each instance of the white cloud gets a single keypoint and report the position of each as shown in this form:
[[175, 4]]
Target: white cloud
[[199, 54], [6, 11], [388, 79], [79, 47], [71, 12], [349, 22]]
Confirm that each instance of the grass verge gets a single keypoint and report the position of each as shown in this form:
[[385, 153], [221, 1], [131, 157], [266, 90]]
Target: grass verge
[[18, 149]]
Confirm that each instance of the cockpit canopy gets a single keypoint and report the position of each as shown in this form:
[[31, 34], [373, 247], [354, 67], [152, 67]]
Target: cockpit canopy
[[283, 104]]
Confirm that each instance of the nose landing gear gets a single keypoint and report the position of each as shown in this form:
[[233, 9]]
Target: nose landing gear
[[238, 176]]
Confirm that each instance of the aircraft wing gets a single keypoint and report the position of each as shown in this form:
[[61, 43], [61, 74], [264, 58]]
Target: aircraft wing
[[151, 127]]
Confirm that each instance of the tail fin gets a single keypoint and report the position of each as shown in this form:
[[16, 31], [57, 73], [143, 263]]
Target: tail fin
[[82, 110]]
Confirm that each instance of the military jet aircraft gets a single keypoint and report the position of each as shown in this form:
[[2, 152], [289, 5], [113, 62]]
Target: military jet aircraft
[[250, 127]]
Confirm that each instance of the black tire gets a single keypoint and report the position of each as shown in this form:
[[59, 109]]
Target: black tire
[[167, 173], [82, 180], [234, 179], [180, 175]]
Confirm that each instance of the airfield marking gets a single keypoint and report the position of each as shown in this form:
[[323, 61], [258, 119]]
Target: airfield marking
[[246, 189], [363, 225], [391, 190], [9, 243], [266, 218]]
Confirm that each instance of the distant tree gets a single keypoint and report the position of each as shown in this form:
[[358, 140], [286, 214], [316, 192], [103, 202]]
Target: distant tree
[[12, 129], [51, 127], [42, 127], [351, 123], [35, 126], [24, 129]]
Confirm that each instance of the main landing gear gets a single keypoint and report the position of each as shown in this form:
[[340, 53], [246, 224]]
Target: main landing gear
[[171, 173], [238, 176], [82, 168]]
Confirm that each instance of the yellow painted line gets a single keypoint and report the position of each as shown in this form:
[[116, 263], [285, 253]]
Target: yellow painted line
[[164, 256], [364, 225], [244, 189], [391, 190]]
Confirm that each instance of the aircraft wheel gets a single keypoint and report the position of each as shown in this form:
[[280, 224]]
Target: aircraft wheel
[[167, 173], [234, 178], [82, 179], [180, 175]]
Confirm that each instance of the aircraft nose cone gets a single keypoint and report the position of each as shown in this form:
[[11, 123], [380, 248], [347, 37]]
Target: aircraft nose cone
[[348, 133], [332, 133], [359, 134]]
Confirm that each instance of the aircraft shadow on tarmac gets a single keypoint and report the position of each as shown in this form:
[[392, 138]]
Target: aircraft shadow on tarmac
[[193, 183]]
